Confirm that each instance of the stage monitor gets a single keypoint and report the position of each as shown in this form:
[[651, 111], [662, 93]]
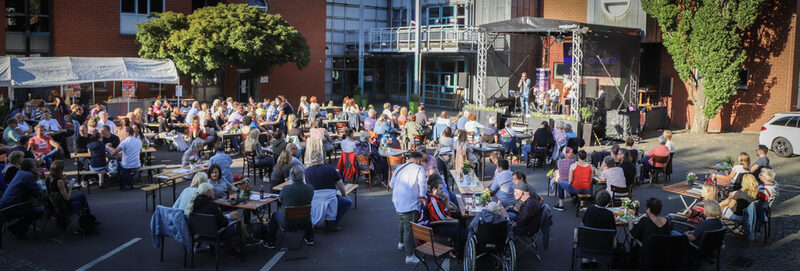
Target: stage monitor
[[591, 88]]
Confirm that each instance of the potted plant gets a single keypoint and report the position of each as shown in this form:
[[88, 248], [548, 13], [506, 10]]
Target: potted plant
[[413, 103], [535, 120], [691, 178], [485, 197], [244, 192]]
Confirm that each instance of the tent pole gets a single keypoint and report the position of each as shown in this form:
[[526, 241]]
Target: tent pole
[[93, 96], [159, 90], [114, 89]]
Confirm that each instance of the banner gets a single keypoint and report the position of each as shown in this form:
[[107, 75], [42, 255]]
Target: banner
[[128, 89], [73, 90]]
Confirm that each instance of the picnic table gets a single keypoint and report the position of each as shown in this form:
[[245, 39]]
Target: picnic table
[[349, 188], [484, 149], [393, 152], [684, 190], [171, 178], [471, 188]]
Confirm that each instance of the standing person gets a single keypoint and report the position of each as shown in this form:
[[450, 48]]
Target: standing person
[[524, 86], [295, 194], [22, 190], [408, 194], [130, 147], [326, 180]]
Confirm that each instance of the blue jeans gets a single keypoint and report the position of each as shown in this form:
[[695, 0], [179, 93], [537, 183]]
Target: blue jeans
[[79, 201], [646, 166], [566, 186], [343, 204], [126, 176], [525, 103], [525, 151]]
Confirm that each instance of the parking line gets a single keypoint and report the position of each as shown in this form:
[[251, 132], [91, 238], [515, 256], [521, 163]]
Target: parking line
[[108, 255], [273, 261]]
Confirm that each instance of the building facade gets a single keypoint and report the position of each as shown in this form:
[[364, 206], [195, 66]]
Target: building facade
[[106, 28]]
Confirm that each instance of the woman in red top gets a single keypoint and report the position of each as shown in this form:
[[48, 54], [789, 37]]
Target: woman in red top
[[580, 180]]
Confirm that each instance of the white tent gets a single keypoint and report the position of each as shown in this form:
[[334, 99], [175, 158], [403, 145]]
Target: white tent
[[24, 72]]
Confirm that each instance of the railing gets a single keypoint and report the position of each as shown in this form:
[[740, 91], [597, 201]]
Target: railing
[[433, 38]]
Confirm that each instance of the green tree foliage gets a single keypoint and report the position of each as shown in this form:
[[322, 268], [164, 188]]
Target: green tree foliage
[[704, 38], [203, 43]]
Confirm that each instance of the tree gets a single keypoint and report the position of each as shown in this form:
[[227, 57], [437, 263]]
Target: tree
[[704, 38], [212, 38]]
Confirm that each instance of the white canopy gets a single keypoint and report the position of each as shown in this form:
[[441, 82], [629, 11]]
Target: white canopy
[[22, 72]]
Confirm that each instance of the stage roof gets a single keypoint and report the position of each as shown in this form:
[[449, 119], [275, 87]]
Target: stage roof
[[23, 72], [544, 26]]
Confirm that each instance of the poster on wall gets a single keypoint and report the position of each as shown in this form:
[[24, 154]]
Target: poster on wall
[[178, 90], [73, 90], [128, 89]]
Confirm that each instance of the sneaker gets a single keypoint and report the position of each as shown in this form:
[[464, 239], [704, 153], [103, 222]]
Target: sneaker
[[253, 242], [559, 207], [646, 180], [400, 245], [309, 241], [412, 260], [269, 245]]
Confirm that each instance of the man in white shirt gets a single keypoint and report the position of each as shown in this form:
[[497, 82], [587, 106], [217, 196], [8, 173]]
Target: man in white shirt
[[49, 124], [104, 121], [408, 194], [130, 147]]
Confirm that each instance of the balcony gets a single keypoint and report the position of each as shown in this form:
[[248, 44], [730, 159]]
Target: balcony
[[433, 39]]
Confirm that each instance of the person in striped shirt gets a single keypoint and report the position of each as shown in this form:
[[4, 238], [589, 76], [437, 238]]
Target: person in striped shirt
[[768, 189], [437, 216]]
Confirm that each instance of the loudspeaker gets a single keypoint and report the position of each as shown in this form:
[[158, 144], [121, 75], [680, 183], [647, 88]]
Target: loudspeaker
[[613, 99], [462, 80], [666, 86], [621, 124], [591, 88]]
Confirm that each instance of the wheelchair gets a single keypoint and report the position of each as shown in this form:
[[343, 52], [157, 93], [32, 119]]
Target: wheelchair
[[491, 239]]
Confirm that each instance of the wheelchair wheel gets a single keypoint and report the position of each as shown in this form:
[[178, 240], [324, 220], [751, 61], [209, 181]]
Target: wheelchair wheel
[[469, 255], [510, 256]]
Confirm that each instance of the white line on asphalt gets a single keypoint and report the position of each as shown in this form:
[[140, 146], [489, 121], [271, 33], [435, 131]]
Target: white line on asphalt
[[273, 261], [108, 255]]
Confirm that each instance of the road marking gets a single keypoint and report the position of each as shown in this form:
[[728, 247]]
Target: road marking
[[108, 255], [273, 261]]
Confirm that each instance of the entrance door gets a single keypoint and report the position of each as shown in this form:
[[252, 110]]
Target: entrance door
[[245, 86], [440, 82]]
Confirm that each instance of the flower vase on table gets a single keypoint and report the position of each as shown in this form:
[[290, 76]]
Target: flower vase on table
[[244, 192], [691, 178], [485, 197]]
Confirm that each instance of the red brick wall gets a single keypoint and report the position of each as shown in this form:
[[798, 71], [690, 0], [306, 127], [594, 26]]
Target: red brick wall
[[772, 62], [308, 16]]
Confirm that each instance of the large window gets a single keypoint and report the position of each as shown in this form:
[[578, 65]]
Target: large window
[[133, 12], [27, 31], [399, 17], [441, 15]]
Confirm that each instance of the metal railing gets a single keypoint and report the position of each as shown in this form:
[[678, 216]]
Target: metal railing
[[433, 38]]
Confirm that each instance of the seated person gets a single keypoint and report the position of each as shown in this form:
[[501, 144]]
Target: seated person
[[377, 162], [762, 161], [192, 154], [541, 137], [530, 211], [251, 145], [651, 224], [437, 216], [490, 214], [22, 190], [737, 201], [203, 203], [695, 214], [278, 142], [224, 161], [628, 168], [108, 137], [612, 175], [326, 181], [412, 129], [186, 195], [11, 133], [597, 216], [579, 181], [296, 194], [43, 146], [768, 190], [502, 186], [82, 139], [742, 166], [12, 167], [661, 150], [22, 146], [713, 214], [220, 185], [280, 173], [61, 195]]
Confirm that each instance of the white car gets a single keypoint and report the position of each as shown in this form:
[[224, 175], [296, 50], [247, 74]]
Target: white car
[[782, 134]]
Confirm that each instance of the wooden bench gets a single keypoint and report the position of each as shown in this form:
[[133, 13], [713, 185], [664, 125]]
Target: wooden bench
[[80, 174]]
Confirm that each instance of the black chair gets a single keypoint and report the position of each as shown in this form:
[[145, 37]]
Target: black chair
[[764, 218], [669, 167], [593, 243], [204, 230], [5, 220], [710, 247], [617, 193], [665, 252], [656, 171], [528, 241], [490, 239], [258, 172], [538, 154], [296, 219]]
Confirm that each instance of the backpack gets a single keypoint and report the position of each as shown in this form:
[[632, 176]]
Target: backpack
[[88, 223]]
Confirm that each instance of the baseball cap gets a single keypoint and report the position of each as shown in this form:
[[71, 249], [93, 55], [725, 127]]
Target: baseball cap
[[522, 187]]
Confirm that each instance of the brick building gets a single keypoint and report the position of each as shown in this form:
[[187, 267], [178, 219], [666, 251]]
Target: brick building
[[769, 76], [105, 28]]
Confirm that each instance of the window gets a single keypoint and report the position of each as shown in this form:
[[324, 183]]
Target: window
[[197, 4], [399, 17], [262, 4], [101, 85], [27, 27], [744, 75], [793, 122], [441, 15], [781, 121], [133, 12]]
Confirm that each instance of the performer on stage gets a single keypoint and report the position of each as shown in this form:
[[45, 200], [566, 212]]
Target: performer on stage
[[566, 93], [525, 90]]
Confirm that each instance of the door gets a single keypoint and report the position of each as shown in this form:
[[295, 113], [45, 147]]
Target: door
[[440, 82]]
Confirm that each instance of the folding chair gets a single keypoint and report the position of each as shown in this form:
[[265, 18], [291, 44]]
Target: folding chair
[[295, 220], [430, 247], [593, 243], [203, 228], [362, 165], [710, 247]]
